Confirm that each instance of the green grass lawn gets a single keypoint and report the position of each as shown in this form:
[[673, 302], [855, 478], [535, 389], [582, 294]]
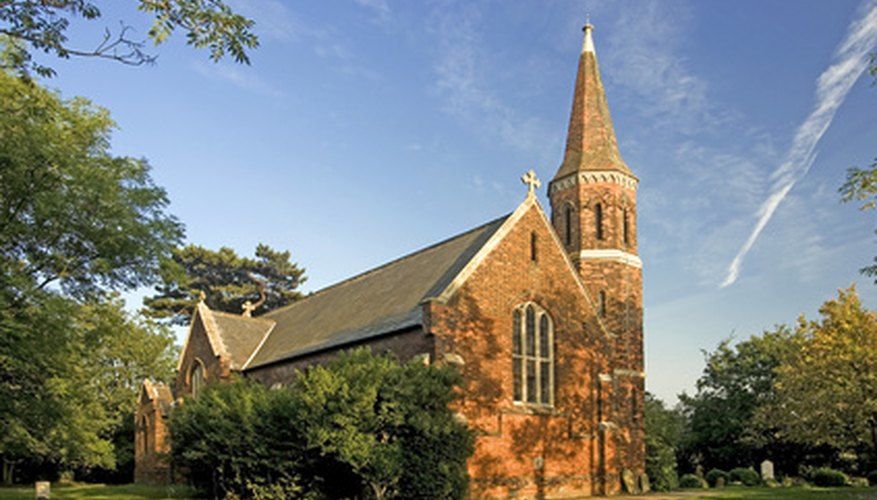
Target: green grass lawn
[[802, 493], [100, 492]]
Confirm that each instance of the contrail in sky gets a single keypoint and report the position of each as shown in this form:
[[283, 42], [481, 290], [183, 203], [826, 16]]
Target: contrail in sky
[[832, 87]]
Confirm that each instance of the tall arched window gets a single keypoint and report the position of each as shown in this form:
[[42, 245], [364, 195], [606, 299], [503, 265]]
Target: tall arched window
[[143, 431], [532, 356], [598, 220], [567, 225], [197, 379], [626, 228]]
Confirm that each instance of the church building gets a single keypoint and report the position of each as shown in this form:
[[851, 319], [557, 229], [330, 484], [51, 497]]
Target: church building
[[542, 314]]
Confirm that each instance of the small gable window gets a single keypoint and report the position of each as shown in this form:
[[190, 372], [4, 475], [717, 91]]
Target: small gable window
[[532, 356], [598, 220], [196, 379], [533, 246]]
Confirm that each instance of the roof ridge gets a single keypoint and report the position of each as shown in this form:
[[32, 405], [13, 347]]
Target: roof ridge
[[240, 316], [383, 266]]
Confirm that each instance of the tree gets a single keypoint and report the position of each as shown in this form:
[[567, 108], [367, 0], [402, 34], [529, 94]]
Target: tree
[[663, 434], [737, 380], [35, 25], [227, 281], [71, 214], [827, 388], [75, 223]]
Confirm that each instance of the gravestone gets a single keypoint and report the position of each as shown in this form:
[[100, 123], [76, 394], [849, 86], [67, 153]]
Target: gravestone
[[43, 490], [720, 482], [644, 484], [767, 470], [629, 481]]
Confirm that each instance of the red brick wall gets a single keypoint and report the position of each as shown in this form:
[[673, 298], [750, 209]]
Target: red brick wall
[[151, 444], [522, 450], [198, 350], [622, 285]]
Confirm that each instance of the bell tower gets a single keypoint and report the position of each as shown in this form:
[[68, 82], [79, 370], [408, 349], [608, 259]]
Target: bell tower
[[593, 211]]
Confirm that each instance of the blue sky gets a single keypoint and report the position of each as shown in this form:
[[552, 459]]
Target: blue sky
[[366, 129]]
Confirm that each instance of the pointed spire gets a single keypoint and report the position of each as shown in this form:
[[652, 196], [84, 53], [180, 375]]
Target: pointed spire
[[590, 143]]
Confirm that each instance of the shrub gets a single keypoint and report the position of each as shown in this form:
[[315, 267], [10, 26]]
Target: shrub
[[745, 475], [825, 476], [361, 425], [872, 478], [712, 477], [691, 481]]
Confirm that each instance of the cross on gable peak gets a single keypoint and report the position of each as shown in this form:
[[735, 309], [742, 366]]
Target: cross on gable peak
[[531, 181]]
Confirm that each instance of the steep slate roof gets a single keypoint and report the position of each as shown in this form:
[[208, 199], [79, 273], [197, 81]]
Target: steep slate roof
[[590, 144], [383, 300], [240, 335]]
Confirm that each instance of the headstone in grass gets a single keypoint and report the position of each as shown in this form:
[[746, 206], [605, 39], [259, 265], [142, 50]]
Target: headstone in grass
[[43, 490], [629, 481], [644, 484], [767, 470]]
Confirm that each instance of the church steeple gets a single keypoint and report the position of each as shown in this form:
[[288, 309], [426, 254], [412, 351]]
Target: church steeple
[[590, 142]]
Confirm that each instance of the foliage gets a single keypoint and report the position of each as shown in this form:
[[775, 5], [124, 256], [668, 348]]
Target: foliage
[[72, 214], [736, 381], [663, 432], [745, 475], [360, 426], [827, 388], [227, 280], [861, 186], [872, 478], [76, 222], [692, 481], [824, 476], [38, 26], [712, 477]]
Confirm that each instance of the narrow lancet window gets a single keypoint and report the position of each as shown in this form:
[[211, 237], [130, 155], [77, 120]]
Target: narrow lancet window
[[625, 227], [601, 304], [598, 220], [567, 230], [533, 246]]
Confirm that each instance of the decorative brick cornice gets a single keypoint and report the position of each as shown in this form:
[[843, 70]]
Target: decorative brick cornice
[[594, 177]]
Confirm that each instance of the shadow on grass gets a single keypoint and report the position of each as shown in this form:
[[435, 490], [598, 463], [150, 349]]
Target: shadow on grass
[[796, 493]]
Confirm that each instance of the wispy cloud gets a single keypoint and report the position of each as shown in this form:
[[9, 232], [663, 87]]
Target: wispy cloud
[[832, 87], [380, 7], [245, 79], [463, 82]]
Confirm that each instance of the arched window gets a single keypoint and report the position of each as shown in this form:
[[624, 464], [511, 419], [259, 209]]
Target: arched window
[[532, 356], [598, 220], [567, 225], [143, 431], [625, 227], [196, 379]]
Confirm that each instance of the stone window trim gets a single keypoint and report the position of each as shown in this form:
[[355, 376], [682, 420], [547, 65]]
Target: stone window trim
[[532, 356], [197, 377]]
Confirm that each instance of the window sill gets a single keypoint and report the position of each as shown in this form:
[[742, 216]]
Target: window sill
[[520, 408]]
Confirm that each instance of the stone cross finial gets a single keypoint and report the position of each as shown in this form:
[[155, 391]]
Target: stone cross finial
[[531, 181], [202, 296], [248, 308]]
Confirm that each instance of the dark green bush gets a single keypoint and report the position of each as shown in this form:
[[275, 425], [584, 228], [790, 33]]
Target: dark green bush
[[712, 477], [872, 478], [362, 425], [825, 476], [691, 481], [745, 475]]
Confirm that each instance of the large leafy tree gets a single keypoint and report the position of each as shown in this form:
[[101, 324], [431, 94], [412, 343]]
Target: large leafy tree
[[73, 215], [827, 387], [226, 280], [663, 434], [736, 381], [40, 26], [75, 223]]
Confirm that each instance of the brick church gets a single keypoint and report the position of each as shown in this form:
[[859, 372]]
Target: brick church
[[541, 314]]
